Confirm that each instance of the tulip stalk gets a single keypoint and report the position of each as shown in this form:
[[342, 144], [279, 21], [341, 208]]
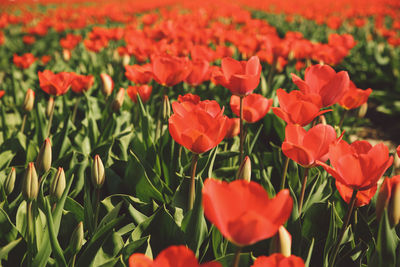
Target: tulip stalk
[[193, 167], [343, 117], [344, 226], [75, 109], [236, 258], [23, 122], [29, 230], [241, 130], [303, 189], [285, 169], [50, 118]]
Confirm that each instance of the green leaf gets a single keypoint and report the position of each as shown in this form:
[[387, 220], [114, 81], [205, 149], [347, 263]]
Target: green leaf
[[7, 248], [75, 208], [227, 260], [387, 242]]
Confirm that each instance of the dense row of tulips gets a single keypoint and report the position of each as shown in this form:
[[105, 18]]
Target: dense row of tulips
[[232, 150]]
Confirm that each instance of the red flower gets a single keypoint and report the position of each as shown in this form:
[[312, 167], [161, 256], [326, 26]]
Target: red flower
[[305, 147], [359, 165], [81, 83], [243, 211], [195, 99], [143, 90], [45, 59], [298, 108], [2, 92], [240, 77], [255, 107], [29, 39], [398, 151], [233, 127], [199, 73], [362, 197], [55, 84], [324, 81], [388, 197], [173, 256], [354, 97], [70, 41], [278, 260], [108, 84], [24, 61], [169, 70], [198, 127], [139, 74]]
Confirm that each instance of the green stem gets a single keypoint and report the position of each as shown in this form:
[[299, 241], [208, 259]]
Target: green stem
[[271, 73], [195, 158], [96, 217], [303, 189], [236, 258], [285, 169], [343, 117], [24, 122], [241, 131], [29, 234], [51, 118], [75, 109], [343, 229], [73, 261]]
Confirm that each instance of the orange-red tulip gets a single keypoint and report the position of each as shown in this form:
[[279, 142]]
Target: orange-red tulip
[[243, 211], [298, 108], [255, 107], [55, 84], [2, 92], [233, 127], [278, 260], [139, 74], [324, 81], [199, 73], [362, 198], [240, 77], [306, 148], [198, 127], [81, 83], [24, 61], [143, 90], [169, 70], [173, 256], [354, 97], [359, 165]]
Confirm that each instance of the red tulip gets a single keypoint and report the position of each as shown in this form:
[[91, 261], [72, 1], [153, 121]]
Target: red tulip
[[306, 148], [233, 127], [240, 77], [389, 197], [298, 108], [55, 84], [278, 260], [2, 92], [143, 90], [255, 107], [198, 127], [199, 73], [70, 41], [169, 70], [81, 83], [324, 81], [354, 97], [362, 197], [139, 74], [108, 84], [24, 61], [398, 151], [359, 165], [195, 99], [173, 256], [243, 211]]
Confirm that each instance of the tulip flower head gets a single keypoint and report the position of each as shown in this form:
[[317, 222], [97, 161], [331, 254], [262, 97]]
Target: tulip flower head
[[354, 97], [278, 260], [240, 77], [81, 83], [139, 74], [255, 107], [144, 92], [243, 212], [389, 197], [169, 70], [198, 127], [55, 84]]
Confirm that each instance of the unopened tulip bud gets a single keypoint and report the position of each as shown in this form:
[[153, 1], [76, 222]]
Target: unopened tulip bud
[[322, 119], [126, 59], [29, 100], [382, 200], [119, 100], [363, 110], [394, 205], [76, 241], [108, 84], [10, 182], [166, 112], [98, 175], [57, 186], [50, 106], [66, 54], [30, 184], [281, 242], [43, 160], [244, 171]]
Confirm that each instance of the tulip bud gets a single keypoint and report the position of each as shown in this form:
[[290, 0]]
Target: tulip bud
[[98, 175], [363, 110], [58, 184], [382, 200], [119, 100], [322, 119], [30, 184], [43, 160], [338, 131], [108, 84], [10, 182], [166, 112], [29, 100], [244, 171], [76, 241], [50, 106], [66, 54], [394, 205], [126, 59], [281, 242]]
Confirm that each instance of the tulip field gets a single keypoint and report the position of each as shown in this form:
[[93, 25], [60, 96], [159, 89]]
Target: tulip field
[[200, 133]]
